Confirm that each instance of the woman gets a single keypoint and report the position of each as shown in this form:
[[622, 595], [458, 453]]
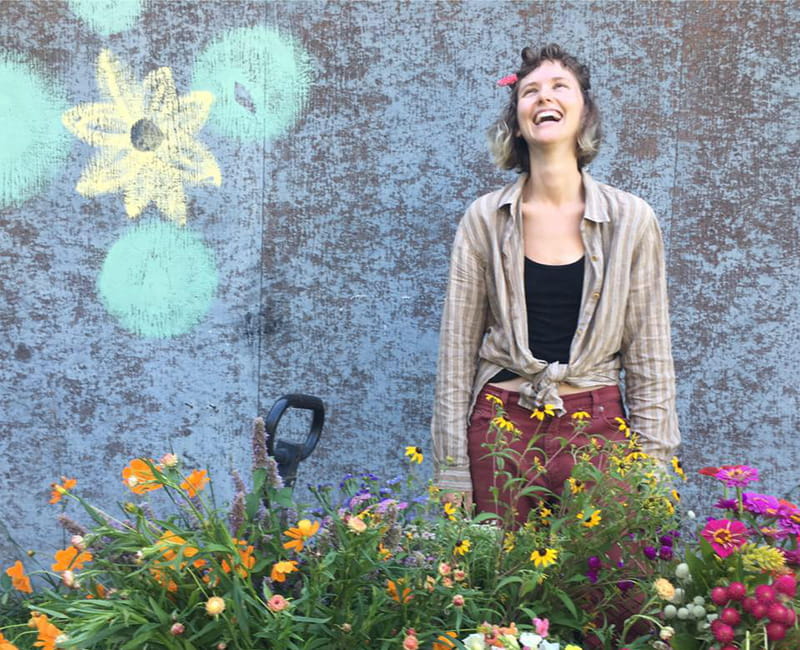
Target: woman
[[556, 285]]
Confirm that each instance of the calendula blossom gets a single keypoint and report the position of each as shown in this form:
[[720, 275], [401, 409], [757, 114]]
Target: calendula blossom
[[300, 534], [5, 644], [544, 557], [195, 482], [47, 633], [58, 490], [70, 558], [281, 569], [414, 454], [19, 580], [139, 477]]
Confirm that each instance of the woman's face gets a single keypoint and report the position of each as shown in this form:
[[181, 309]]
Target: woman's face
[[549, 105]]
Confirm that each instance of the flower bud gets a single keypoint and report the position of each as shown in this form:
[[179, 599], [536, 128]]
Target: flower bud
[[177, 629], [458, 600], [169, 460], [78, 542]]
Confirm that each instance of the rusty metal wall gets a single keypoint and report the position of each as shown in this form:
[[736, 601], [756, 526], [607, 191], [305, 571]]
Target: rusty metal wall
[[303, 245]]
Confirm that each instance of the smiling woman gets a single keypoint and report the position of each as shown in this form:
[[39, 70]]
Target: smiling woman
[[557, 286]]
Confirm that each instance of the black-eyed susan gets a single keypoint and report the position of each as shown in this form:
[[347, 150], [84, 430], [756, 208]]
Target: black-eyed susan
[[450, 511], [676, 496], [590, 520], [581, 415], [494, 399], [504, 424], [622, 425], [462, 547], [542, 411], [509, 541], [544, 557], [544, 515], [576, 486], [677, 467], [414, 454]]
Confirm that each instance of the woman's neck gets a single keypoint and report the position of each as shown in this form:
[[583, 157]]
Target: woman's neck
[[554, 181]]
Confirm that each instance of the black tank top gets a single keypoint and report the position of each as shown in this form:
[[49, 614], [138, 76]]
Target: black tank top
[[553, 302]]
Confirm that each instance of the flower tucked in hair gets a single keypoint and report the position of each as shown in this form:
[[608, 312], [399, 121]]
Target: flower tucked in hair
[[508, 80]]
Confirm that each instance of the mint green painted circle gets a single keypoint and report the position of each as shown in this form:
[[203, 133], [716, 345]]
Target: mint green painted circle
[[158, 280], [107, 17], [260, 79], [33, 143]]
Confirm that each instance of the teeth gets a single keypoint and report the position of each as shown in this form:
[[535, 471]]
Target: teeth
[[547, 114]]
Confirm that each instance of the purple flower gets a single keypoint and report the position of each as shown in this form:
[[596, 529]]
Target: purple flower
[[665, 552], [592, 575], [624, 585], [726, 504], [594, 562], [650, 553], [620, 563], [760, 504], [737, 475], [666, 540]]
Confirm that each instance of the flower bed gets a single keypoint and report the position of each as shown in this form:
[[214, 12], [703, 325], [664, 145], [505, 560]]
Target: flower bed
[[383, 564]]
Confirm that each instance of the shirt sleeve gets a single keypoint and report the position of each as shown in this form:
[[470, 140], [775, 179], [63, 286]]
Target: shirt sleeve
[[462, 329], [646, 351]]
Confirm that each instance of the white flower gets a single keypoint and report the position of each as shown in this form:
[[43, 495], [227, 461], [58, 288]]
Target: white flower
[[474, 642], [549, 645], [666, 633], [530, 640], [509, 641]]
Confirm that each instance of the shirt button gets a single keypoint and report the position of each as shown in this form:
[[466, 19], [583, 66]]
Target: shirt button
[[596, 295], [594, 258]]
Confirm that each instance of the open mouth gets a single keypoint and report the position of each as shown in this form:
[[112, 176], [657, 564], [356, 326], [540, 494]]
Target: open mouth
[[547, 116]]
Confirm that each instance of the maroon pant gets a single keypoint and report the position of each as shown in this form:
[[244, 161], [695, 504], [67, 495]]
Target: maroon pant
[[552, 448]]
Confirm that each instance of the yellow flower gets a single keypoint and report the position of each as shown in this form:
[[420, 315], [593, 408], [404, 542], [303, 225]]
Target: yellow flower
[[762, 558], [394, 592], [305, 529], [677, 467], [462, 547], [676, 496], [635, 455], [544, 514], [215, 606], [414, 454], [503, 424], [580, 415], [591, 520], [509, 541], [450, 511], [356, 524], [544, 557], [146, 139], [494, 399], [19, 580], [664, 588], [576, 486], [281, 569], [547, 409], [572, 646]]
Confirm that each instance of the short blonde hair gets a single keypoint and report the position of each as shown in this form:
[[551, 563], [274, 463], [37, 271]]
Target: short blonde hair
[[509, 150]]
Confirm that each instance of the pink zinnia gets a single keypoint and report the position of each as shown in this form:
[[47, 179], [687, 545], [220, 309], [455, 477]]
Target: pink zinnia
[[737, 475], [725, 535], [760, 504]]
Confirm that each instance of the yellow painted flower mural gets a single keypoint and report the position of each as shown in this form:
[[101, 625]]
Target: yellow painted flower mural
[[146, 139]]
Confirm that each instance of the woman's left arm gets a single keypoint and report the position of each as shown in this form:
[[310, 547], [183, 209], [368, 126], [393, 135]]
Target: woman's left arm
[[646, 351]]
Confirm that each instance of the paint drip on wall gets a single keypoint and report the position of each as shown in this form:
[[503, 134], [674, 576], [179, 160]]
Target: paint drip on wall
[[107, 17], [146, 139], [260, 79], [158, 280], [34, 144]]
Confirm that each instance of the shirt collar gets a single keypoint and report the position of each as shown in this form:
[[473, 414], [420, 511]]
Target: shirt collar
[[593, 211]]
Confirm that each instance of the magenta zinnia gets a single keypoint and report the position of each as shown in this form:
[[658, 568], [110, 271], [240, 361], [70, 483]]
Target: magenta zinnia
[[725, 535], [737, 475]]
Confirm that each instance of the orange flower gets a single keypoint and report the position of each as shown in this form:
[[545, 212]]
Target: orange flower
[[70, 559], [161, 578], [139, 477], [299, 535], [5, 644], [391, 587], [445, 641], [281, 569], [195, 482], [59, 490], [19, 580], [47, 632], [170, 544], [246, 559]]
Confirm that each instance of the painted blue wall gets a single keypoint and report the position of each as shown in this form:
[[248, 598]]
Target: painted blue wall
[[349, 139]]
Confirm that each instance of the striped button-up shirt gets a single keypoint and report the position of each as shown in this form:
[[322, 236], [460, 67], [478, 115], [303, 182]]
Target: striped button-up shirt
[[623, 323]]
